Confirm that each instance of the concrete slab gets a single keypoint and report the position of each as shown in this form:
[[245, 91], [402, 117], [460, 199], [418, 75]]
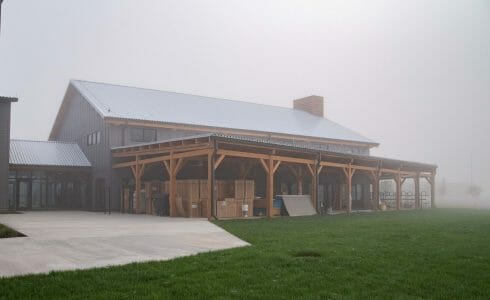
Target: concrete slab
[[68, 240]]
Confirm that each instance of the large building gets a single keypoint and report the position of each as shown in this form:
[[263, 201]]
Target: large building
[[109, 141]]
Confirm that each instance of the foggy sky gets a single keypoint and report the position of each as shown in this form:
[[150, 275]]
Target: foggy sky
[[411, 75]]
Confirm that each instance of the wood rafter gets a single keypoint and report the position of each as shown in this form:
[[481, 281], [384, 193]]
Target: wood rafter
[[265, 156], [276, 165], [194, 153], [160, 150], [319, 169], [264, 165], [218, 161]]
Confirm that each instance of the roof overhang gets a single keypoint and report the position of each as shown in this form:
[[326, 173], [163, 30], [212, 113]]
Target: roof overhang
[[264, 149], [8, 99]]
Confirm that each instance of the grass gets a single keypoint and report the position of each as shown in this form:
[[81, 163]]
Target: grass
[[7, 232], [440, 253]]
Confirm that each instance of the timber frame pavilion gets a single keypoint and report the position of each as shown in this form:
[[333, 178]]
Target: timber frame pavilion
[[213, 149]]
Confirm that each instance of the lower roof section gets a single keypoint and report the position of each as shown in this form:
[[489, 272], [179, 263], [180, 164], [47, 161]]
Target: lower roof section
[[264, 149], [46, 154]]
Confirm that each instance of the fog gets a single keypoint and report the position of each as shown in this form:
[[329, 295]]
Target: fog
[[411, 75]]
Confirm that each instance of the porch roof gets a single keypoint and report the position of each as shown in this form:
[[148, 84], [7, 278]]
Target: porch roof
[[295, 148]]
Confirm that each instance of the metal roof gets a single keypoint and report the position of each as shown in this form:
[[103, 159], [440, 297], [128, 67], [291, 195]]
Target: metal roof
[[123, 102], [289, 145], [41, 153], [8, 99]]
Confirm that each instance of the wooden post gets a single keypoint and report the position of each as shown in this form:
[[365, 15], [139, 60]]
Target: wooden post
[[349, 192], [433, 190], [173, 188], [375, 176], [137, 185], [416, 180], [349, 172], [210, 184], [270, 186], [398, 182], [314, 181]]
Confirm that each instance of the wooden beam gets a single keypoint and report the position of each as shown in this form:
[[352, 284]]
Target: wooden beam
[[311, 170], [142, 170], [173, 189], [133, 169], [242, 154], [165, 163], [264, 156], [137, 183], [264, 165], [276, 165], [314, 186], [179, 165], [195, 153], [417, 191], [218, 161], [160, 150], [349, 190], [270, 187], [346, 172], [398, 198], [211, 168], [293, 159], [433, 191], [319, 169]]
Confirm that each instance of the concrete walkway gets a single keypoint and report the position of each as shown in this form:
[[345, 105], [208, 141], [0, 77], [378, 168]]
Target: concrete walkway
[[79, 240]]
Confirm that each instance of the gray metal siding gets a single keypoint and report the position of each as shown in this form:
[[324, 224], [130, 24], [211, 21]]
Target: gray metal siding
[[80, 119], [4, 152]]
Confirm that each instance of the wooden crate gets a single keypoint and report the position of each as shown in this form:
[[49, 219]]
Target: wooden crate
[[203, 189], [196, 209], [250, 203], [239, 189], [226, 208], [238, 204], [249, 189], [204, 207], [190, 190]]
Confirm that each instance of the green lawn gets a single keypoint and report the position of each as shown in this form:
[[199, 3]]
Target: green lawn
[[440, 253], [7, 232]]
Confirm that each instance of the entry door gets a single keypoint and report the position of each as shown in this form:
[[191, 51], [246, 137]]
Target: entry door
[[24, 195], [99, 193]]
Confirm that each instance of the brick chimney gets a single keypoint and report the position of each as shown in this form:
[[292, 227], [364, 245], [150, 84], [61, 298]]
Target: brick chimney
[[311, 104], [4, 150]]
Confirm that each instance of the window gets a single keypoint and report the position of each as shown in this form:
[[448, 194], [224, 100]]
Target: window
[[357, 192], [93, 138], [142, 135]]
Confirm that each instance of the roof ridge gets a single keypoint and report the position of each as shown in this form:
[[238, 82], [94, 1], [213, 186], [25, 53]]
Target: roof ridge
[[201, 96], [40, 141]]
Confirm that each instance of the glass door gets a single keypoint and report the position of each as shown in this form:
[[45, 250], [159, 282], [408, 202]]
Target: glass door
[[38, 194], [24, 194], [12, 195]]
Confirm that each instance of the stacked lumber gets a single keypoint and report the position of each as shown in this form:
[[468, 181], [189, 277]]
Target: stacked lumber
[[192, 197]]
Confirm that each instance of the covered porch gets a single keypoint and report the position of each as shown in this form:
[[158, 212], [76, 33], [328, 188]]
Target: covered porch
[[223, 176]]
